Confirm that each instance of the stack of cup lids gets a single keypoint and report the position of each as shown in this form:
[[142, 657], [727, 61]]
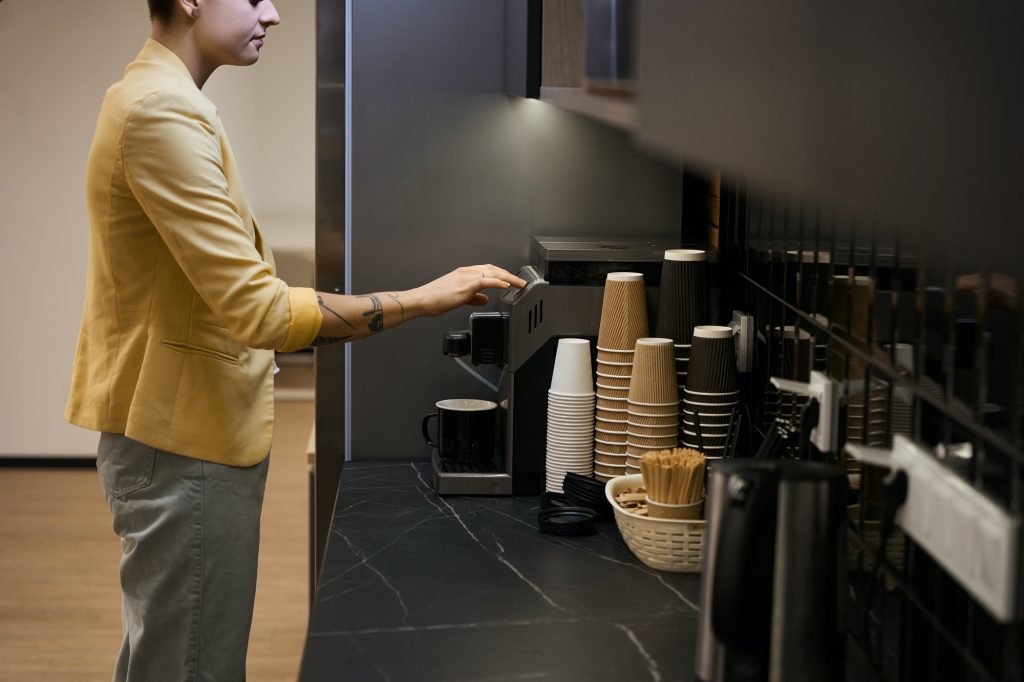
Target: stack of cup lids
[[623, 321], [711, 394], [652, 417], [684, 303], [570, 435]]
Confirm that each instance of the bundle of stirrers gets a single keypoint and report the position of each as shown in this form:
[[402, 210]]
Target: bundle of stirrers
[[674, 476]]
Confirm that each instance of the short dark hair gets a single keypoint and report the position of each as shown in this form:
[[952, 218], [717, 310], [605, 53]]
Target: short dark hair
[[162, 10]]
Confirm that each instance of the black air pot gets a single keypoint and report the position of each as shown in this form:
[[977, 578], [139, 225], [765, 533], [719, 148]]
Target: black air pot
[[775, 572]]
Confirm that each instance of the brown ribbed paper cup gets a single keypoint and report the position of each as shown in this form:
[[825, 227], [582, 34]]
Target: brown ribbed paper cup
[[612, 415], [615, 382], [611, 469], [609, 449], [607, 369], [654, 375], [632, 431], [606, 458], [638, 410], [623, 311], [664, 421], [609, 355], [640, 450], [663, 442], [611, 403]]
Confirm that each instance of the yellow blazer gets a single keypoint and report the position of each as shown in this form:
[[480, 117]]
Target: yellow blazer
[[182, 305]]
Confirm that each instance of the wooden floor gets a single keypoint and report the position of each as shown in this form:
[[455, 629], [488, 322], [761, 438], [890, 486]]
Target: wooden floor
[[60, 604]]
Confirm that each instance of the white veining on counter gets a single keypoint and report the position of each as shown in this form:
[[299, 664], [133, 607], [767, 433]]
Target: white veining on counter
[[423, 492], [459, 519], [385, 523], [652, 665], [363, 557], [373, 664], [533, 586], [627, 564], [364, 561], [524, 622], [354, 588]]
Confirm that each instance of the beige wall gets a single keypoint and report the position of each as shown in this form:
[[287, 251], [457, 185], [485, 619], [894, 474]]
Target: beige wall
[[57, 57]]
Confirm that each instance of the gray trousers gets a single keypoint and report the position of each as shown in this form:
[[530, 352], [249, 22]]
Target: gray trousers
[[190, 535]]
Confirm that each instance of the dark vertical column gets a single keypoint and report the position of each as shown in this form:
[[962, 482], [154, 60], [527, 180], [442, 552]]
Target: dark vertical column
[[330, 268]]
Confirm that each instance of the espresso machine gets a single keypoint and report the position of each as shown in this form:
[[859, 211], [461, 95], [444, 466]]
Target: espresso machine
[[562, 298]]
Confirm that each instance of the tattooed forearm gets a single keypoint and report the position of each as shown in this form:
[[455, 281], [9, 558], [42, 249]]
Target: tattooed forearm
[[396, 298], [376, 313], [324, 306]]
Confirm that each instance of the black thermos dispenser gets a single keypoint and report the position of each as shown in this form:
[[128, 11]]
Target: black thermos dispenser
[[774, 574]]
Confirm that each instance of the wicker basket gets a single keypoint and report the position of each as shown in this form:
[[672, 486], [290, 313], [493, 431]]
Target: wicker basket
[[662, 544]]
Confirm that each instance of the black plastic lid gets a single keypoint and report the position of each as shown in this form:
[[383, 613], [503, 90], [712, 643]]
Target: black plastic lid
[[567, 521]]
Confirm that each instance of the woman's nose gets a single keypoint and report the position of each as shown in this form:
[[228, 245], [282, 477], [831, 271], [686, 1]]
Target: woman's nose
[[270, 17]]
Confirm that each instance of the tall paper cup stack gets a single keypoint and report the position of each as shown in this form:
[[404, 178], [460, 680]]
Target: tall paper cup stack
[[570, 435], [623, 321]]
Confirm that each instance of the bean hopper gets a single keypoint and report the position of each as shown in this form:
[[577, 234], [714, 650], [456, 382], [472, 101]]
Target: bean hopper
[[562, 298]]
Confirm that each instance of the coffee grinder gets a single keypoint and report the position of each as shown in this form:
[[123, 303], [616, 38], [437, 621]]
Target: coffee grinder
[[562, 298]]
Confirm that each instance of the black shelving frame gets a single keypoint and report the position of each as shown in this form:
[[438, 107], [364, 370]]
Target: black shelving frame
[[856, 300]]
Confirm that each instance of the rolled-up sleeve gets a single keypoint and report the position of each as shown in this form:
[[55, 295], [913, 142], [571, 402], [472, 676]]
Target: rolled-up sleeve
[[173, 161]]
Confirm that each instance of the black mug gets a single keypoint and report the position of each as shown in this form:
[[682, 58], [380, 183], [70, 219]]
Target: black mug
[[465, 430]]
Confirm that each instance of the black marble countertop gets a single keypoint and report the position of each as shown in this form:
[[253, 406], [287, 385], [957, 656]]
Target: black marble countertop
[[426, 588]]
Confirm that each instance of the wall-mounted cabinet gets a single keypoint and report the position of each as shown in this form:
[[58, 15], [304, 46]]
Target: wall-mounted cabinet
[[546, 41], [907, 115]]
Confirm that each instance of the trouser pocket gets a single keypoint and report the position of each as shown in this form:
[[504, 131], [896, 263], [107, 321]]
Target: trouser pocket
[[124, 465]]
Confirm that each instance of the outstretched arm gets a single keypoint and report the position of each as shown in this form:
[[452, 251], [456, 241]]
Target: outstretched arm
[[347, 318]]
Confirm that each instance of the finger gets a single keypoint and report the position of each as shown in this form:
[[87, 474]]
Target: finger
[[507, 276], [494, 272], [494, 283], [479, 299]]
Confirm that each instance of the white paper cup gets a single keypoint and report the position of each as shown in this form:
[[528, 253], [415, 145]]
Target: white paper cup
[[571, 373]]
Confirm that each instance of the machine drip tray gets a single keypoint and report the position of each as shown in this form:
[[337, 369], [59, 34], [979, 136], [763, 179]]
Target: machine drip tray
[[468, 468], [469, 479]]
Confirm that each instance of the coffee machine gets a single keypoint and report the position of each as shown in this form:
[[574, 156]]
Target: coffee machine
[[774, 574], [562, 298]]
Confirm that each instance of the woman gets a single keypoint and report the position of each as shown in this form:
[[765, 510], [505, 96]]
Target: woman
[[182, 316]]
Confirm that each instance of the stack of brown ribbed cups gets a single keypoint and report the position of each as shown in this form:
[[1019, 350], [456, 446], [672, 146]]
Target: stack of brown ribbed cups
[[711, 394], [684, 304], [623, 321], [653, 402]]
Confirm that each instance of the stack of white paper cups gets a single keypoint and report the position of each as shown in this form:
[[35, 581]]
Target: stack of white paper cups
[[570, 434]]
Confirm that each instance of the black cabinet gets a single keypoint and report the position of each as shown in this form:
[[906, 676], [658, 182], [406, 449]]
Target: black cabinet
[[908, 113]]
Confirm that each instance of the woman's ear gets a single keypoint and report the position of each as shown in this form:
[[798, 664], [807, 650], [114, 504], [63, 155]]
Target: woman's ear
[[189, 8]]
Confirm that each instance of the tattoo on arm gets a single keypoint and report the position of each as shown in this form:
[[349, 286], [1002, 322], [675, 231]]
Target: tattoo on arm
[[376, 313], [320, 300], [396, 298]]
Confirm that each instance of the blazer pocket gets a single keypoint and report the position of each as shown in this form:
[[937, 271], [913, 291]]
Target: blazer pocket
[[199, 350]]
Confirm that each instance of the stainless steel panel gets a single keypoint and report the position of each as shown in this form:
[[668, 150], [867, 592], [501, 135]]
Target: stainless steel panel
[[330, 267]]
